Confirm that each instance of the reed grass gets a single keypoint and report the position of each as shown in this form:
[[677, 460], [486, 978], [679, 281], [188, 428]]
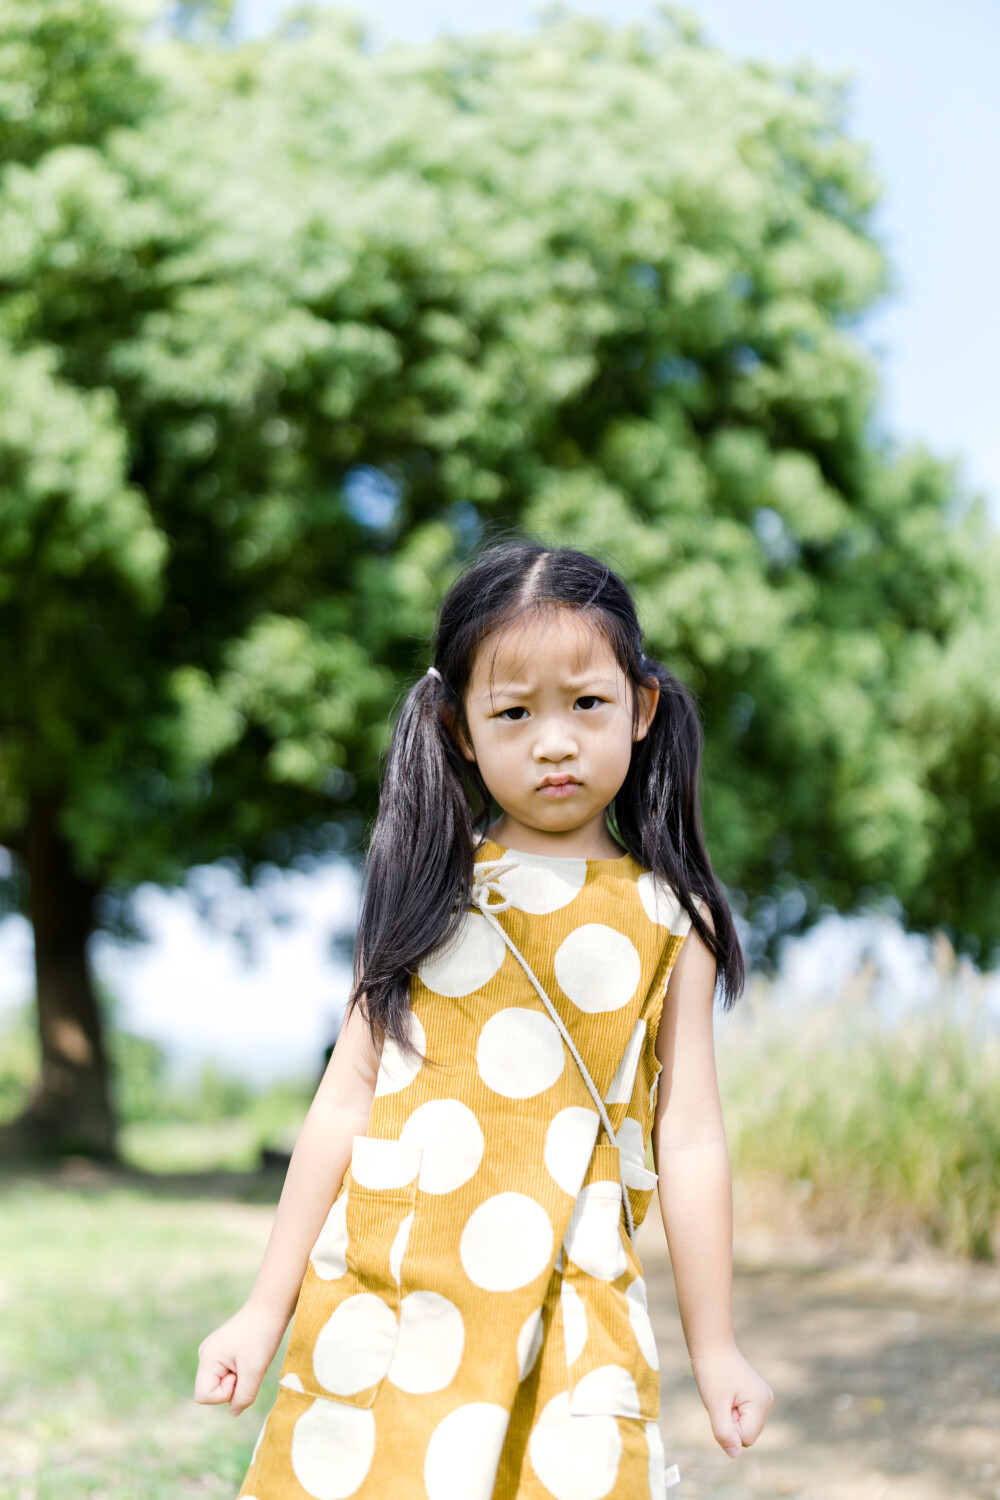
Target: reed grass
[[887, 1130]]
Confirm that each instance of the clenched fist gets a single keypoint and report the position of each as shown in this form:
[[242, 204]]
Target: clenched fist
[[233, 1360]]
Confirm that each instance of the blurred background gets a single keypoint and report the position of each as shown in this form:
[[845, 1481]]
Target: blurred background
[[298, 306]]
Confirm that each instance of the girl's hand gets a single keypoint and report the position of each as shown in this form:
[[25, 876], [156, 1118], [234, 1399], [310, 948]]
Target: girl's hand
[[736, 1398], [233, 1360]]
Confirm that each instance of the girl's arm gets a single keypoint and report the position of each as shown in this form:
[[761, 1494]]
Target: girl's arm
[[696, 1200], [235, 1357]]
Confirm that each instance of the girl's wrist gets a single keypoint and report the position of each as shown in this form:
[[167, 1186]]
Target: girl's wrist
[[720, 1348], [263, 1306]]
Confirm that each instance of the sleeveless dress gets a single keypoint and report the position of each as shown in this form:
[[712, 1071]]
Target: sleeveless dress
[[472, 1321]]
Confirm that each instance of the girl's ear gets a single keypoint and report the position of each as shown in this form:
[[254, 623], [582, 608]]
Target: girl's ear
[[457, 733], [649, 697]]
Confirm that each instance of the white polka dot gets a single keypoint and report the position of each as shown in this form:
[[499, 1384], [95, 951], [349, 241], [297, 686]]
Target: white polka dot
[[506, 1242], [657, 1462], [659, 899], [470, 960], [638, 1314], [520, 1053], [529, 1342], [593, 1241], [448, 1133], [398, 1068], [569, 1145], [332, 1449], [464, 1451], [597, 967], [431, 1340], [630, 1141], [576, 1458], [663, 905], [292, 1382], [398, 1248], [623, 1082], [329, 1254], [609, 1390], [574, 1316], [353, 1348], [541, 884], [633, 1156], [380, 1162]]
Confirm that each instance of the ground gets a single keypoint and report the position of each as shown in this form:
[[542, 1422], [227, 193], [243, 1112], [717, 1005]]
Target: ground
[[886, 1376], [886, 1372]]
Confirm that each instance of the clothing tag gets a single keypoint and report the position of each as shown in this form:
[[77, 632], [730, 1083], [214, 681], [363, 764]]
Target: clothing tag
[[672, 1476]]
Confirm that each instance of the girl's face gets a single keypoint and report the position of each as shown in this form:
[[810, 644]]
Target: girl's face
[[553, 734]]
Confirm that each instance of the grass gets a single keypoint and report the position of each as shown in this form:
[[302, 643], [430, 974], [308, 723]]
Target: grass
[[204, 1146], [106, 1295], [882, 1131], [107, 1288]]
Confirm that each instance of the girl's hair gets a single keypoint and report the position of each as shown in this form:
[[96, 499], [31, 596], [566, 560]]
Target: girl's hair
[[417, 876]]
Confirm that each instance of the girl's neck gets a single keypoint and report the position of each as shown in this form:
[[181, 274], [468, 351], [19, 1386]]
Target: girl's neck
[[585, 842]]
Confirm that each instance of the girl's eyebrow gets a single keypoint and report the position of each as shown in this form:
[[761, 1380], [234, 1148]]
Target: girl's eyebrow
[[519, 690]]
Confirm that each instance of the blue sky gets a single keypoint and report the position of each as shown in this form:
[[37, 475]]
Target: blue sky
[[925, 98]]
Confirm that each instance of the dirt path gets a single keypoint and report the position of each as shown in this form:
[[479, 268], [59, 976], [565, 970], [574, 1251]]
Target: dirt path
[[886, 1379]]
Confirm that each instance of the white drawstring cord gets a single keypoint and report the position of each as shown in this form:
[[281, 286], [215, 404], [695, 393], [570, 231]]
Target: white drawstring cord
[[482, 886]]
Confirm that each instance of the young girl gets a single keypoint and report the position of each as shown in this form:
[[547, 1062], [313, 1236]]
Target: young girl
[[470, 1314]]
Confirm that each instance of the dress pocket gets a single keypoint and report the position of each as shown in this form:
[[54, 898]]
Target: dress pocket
[[346, 1324]]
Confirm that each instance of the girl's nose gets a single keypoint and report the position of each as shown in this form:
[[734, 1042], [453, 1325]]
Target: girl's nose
[[555, 741]]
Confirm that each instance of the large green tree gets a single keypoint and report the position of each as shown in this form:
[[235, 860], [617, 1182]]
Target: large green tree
[[286, 326]]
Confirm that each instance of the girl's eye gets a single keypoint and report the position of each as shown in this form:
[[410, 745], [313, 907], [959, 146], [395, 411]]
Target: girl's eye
[[584, 698]]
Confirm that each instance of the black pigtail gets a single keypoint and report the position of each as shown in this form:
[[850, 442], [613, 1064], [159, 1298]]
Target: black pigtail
[[417, 873], [658, 813]]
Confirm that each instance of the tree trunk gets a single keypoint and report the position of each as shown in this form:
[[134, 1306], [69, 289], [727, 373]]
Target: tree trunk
[[70, 1109]]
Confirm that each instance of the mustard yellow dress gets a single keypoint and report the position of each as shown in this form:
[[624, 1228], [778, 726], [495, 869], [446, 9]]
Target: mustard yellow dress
[[472, 1322]]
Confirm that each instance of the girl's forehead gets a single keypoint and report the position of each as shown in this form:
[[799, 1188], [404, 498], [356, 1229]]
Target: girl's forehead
[[558, 643]]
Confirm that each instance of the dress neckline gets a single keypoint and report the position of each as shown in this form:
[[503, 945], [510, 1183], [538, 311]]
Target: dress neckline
[[625, 861]]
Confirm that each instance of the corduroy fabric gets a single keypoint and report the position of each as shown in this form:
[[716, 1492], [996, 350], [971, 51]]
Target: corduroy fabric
[[472, 1321]]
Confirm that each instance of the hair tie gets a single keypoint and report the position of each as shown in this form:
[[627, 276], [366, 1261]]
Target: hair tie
[[434, 673]]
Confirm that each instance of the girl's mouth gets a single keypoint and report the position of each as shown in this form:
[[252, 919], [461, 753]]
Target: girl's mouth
[[560, 789]]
